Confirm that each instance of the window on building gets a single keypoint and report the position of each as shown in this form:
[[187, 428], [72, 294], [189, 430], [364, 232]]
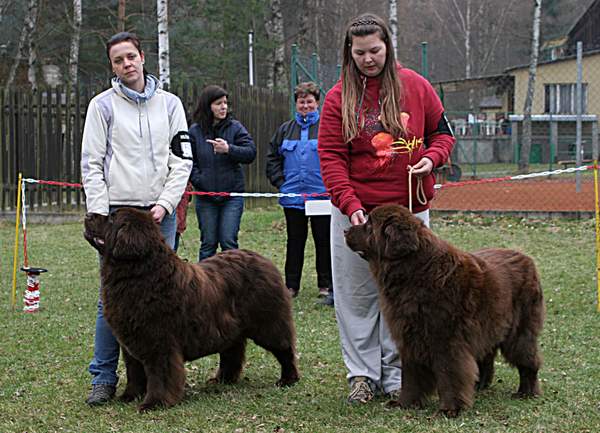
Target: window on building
[[561, 98]]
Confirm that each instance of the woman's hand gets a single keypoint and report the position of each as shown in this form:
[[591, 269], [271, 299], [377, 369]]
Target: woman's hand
[[358, 217], [219, 145], [422, 168], [158, 213]]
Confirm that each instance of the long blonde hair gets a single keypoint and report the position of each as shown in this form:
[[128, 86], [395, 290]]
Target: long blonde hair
[[353, 83]]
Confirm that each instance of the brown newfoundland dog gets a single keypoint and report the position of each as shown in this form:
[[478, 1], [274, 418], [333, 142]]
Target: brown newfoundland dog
[[165, 311], [449, 311]]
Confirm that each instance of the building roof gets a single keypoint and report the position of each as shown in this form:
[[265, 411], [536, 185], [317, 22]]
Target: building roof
[[561, 59], [583, 14]]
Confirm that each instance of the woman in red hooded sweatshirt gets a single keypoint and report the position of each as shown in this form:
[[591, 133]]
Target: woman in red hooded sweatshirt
[[380, 124]]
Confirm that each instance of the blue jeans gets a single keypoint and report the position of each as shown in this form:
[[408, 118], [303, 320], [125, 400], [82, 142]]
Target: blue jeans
[[219, 223], [103, 367]]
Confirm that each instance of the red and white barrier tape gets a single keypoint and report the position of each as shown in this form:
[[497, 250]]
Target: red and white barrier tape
[[278, 194], [516, 177]]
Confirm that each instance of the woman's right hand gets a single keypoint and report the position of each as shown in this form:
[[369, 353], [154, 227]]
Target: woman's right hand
[[358, 218]]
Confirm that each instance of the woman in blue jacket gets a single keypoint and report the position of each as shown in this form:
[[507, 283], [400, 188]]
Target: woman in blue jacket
[[293, 167], [222, 144]]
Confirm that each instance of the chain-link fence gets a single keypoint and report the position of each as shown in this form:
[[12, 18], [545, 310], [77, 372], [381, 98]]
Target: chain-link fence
[[488, 116]]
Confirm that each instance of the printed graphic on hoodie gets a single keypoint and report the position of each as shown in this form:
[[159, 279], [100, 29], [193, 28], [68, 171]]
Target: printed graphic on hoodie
[[387, 149]]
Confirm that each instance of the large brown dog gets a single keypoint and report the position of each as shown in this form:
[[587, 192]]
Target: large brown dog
[[449, 311], [165, 311]]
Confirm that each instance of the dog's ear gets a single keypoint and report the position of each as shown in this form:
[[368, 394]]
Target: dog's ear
[[399, 238], [94, 230], [131, 236]]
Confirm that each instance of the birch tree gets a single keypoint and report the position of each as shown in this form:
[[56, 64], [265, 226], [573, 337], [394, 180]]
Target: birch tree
[[31, 22], [121, 16], [163, 42], [18, 57], [461, 21], [535, 43], [26, 40], [393, 6], [276, 58], [75, 38]]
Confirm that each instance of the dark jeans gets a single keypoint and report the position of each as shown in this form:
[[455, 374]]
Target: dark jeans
[[219, 223], [297, 231]]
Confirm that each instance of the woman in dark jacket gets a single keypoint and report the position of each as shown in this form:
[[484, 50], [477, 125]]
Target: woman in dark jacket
[[293, 167], [222, 144]]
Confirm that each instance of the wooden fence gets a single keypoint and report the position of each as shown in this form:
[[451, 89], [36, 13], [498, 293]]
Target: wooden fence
[[40, 136]]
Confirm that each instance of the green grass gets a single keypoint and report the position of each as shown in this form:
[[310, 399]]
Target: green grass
[[44, 356]]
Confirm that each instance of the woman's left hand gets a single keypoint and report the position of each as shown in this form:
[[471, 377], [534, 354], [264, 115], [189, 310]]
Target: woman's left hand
[[422, 168], [219, 145], [158, 213]]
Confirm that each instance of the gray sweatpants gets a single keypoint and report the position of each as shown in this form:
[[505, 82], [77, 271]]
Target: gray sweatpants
[[367, 346]]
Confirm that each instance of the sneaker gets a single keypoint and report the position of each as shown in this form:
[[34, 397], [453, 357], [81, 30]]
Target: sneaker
[[294, 292], [327, 300], [323, 291], [361, 391], [393, 395], [101, 394]]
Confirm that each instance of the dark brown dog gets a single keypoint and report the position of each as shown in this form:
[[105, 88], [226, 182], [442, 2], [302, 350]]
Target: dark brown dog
[[449, 311], [165, 311]]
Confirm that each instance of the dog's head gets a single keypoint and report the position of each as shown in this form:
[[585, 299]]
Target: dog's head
[[391, 232], [131, 234], [94, 226]]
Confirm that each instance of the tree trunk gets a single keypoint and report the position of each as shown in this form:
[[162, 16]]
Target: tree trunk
[[31, 22], [121, 16], [163, 42], [394, 25], [535, 43], [74, 52], [18, 56], [317, 14], [274, 29], [468, 56], [303, 32]]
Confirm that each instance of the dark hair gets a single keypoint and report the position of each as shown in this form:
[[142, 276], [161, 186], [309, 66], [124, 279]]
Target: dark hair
[[123, 37], [307, 88], [391, 87], [203, 115]]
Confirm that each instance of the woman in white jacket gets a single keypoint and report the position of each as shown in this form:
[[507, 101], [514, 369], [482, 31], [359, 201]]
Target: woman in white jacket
[[136, 153]]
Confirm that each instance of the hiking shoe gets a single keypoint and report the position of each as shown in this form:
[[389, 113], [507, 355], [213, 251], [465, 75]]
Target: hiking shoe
[[101, 394], [323, 291], [361, 391]]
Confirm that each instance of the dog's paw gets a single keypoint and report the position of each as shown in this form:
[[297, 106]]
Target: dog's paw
[[395, 404], [525, 395], [399, 404], [149, 405], [448, 413], [287, 381], [127, 397]]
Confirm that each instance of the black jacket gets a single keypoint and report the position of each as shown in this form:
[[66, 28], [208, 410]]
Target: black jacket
[[221, 172]]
